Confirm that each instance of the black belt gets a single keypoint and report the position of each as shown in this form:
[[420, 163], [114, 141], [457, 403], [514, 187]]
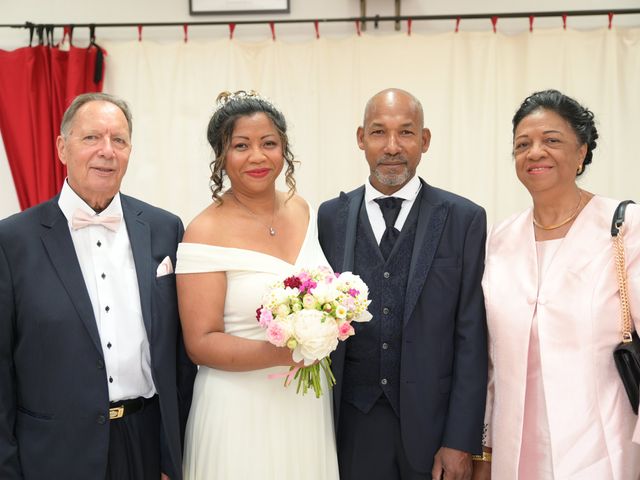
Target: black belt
[[127, 407]]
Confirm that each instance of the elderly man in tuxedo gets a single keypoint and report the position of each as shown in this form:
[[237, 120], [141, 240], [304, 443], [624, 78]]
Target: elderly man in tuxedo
[[94, 380], [411, 383]]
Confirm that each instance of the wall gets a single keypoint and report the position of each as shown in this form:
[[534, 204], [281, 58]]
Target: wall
[[77, 11]]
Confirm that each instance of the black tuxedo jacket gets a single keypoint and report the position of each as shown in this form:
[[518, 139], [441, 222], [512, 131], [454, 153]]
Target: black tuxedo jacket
[[54, 401], [443, 372]]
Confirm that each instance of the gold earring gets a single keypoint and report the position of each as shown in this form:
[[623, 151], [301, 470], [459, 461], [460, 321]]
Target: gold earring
[[580, 168]]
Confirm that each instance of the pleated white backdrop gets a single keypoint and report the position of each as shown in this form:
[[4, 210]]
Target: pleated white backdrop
[[470, 84]]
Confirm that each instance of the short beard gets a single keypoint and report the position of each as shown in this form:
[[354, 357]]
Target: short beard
[[392, 180]]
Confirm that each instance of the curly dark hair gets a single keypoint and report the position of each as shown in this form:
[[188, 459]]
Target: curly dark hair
[[231, 107], [580, 118]]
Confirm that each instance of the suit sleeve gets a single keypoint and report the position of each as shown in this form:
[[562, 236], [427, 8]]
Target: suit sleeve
[[9, 462], [333, 250], [487, 434], [185, 369], [185, 375], [463, 429]]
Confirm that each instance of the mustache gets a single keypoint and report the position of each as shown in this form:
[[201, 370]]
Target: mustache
[[392, 160]]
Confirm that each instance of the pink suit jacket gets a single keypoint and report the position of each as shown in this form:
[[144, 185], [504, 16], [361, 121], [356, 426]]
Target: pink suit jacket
[[591, 423]]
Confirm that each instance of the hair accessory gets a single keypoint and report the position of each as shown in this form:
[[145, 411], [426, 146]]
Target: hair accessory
[[565, 221], [226, 97]]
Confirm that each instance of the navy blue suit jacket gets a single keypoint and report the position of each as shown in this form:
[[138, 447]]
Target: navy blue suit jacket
[[54, 401], [443, 372]]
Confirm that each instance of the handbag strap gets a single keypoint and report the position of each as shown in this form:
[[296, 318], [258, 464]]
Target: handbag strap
[[617, 232]]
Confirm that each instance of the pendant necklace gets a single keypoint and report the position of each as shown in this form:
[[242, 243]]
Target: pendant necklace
[[272, 230], [565, 221]]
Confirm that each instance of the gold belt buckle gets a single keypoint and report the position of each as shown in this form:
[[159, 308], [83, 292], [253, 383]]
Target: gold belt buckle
[[116, 412]]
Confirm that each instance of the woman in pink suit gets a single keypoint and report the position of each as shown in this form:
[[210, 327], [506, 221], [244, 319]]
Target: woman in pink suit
[[556, 407]]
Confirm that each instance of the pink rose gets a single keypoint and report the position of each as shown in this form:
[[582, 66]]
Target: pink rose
[[308, 285], [345, 330], [278, 334], [304, 276], [265, 316]]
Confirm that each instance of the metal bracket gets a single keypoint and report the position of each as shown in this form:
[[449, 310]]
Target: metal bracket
[[363, 13]]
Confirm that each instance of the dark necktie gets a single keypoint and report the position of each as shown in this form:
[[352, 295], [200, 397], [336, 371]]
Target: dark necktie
[[390, 207]]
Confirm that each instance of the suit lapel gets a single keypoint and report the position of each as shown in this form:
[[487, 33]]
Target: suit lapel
[[140, 240], [351, 205], [62, 254], [431, 220], [347, 218]]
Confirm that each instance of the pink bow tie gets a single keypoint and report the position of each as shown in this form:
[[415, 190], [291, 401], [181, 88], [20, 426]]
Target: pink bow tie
[[82, 219]]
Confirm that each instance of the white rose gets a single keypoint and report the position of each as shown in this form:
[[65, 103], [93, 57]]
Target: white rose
[[348, 280], [282, 310], [344, 279], [316, 338], [280, 295], [363, 317], [325, 293]]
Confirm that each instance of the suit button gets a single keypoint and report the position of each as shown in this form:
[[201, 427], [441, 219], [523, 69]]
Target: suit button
[[100, 364], [386, 274], [101, 419], [386, 311], [385, 346], [383, 381]]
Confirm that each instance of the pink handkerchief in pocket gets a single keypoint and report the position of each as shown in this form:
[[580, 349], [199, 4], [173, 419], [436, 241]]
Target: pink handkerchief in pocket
[[165, 267]]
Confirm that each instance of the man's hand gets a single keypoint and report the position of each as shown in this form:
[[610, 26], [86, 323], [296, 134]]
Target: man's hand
[[164, 477], [451, 464], [481, 471]]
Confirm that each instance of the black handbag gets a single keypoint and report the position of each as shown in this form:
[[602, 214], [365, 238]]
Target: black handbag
[[627, 354]]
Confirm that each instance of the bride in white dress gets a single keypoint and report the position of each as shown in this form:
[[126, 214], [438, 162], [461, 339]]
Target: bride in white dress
[[242, 424]]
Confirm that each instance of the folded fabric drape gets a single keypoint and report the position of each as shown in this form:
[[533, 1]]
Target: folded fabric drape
[[36, 85]]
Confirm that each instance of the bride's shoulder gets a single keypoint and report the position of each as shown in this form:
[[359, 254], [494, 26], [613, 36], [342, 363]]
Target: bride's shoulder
[[297, 205], [205, 227]]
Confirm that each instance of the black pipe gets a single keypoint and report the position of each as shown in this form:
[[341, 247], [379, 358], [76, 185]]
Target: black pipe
[[375, 19]]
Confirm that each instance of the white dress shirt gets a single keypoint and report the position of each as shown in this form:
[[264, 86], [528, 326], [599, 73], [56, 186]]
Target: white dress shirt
[[109, 273], [408, 193]]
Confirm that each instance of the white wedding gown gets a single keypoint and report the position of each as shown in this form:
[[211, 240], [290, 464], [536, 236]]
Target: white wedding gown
[[242, 425]]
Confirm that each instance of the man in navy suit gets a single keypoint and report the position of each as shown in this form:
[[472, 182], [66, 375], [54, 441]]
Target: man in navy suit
[[94, 379], [411, 384]]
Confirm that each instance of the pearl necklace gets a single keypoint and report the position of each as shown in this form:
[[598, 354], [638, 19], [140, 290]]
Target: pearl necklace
[[565, 221]]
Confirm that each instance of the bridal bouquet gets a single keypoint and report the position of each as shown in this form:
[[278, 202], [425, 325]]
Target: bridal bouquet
[[309, 313]]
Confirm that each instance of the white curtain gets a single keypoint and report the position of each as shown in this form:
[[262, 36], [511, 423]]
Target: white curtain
[[470, 84]]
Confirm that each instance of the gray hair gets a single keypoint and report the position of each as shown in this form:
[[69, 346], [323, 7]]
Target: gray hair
[[80, 100]]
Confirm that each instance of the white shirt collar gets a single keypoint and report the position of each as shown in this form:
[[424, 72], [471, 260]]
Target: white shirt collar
[[69, 201], [407, 192]]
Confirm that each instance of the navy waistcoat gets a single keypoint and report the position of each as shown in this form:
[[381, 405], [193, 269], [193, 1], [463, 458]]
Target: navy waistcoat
[[372, 360]]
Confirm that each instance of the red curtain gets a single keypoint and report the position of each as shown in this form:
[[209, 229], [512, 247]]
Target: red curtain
[[37, 84]]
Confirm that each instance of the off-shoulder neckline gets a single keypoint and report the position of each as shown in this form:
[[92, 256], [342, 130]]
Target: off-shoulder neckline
[[264, 254]]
